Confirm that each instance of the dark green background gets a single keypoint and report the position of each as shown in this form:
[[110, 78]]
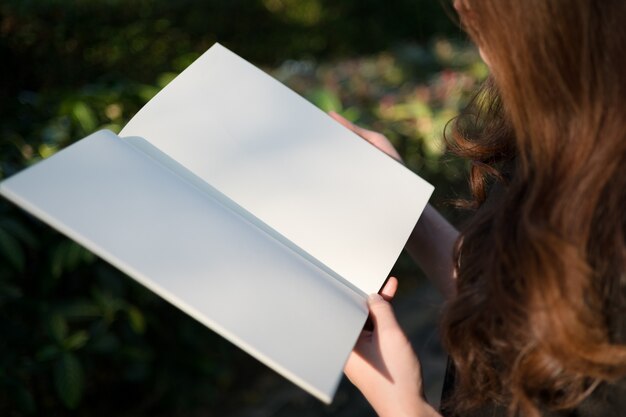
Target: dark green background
[[77, 337]]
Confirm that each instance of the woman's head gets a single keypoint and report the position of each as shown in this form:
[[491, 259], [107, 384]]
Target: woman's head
[[556, 58], [541, 262]]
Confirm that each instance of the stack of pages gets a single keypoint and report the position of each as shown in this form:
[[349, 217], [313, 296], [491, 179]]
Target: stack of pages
[[245, 206]]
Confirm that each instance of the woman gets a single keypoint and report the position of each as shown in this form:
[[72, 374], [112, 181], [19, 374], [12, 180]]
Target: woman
[[535, 318]]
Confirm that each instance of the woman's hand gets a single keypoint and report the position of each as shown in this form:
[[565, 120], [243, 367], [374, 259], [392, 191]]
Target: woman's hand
[[432, 241], [377, 139], [383, 365]]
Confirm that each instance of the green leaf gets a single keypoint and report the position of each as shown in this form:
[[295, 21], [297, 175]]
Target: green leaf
[[108, 304], [46, 150], [326, 100], [84, 116], [57, 258], [79, 309], [69, 380], [57, 327], [47, 352], [115, 127], [106, 343], [73, 255], [146, 92], [87, 256], [165, 78], [351, 113], [66, 257], [20, 232], [12, 251], [137, 321], [76, 340]]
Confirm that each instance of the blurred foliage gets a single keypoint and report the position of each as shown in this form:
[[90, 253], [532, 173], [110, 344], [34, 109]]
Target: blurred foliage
[[409, 93], [78, 337]]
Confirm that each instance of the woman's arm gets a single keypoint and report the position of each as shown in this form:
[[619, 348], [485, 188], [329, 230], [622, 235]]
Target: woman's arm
[[431, 246], [432, 241], [383, 365]]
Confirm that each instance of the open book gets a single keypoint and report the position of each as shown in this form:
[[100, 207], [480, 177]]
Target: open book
[[242, 204]]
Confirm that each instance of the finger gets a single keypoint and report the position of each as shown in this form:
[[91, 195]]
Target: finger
[[364, 133], [345, 122], [364, 338], [363, 344], [390, 288], [381, 313]]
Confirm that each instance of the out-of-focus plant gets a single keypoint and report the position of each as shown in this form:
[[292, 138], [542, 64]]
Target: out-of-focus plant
[[77, 336], [409, 94]]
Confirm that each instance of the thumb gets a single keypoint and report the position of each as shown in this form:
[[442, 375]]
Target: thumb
[[342, 120], [364, 133], [381, 312]]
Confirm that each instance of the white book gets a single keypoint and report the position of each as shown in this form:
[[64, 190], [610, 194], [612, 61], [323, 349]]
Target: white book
[[245, 206]]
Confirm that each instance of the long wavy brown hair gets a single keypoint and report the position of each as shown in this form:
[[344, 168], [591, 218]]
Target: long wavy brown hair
[[541, 265]]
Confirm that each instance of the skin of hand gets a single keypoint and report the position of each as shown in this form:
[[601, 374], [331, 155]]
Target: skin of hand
[[432, 241], [383, 365], [377, 139]]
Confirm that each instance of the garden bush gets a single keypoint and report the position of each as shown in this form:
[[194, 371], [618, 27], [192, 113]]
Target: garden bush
[[79, 337]]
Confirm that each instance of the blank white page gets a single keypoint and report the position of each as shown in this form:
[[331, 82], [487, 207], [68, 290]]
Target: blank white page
[[204, 258], [287, 162]]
